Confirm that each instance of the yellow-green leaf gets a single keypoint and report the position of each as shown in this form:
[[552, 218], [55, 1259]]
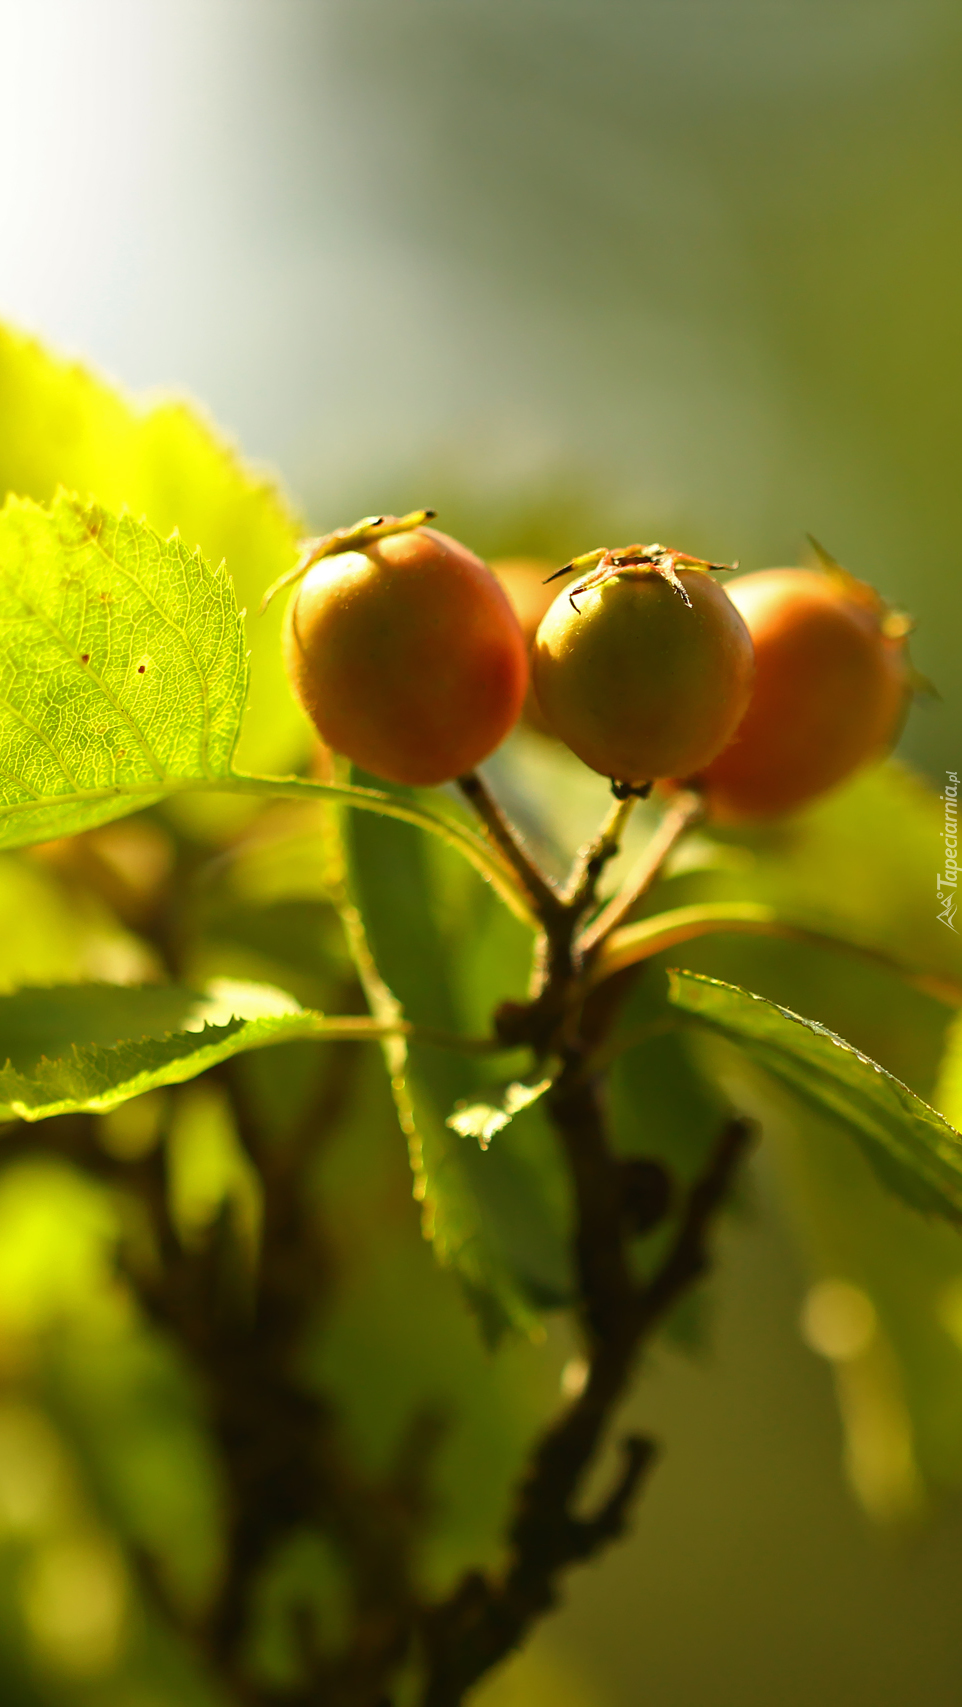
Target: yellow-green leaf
[[122, 667]]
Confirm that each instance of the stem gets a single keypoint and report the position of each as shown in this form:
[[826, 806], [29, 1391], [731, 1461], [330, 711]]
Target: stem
[[541, 1023], [538, 888], [595, 855], [685, 808], [605, 1284], [640, 941]]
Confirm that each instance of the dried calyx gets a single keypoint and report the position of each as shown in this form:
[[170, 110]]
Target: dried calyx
[[605, 562]]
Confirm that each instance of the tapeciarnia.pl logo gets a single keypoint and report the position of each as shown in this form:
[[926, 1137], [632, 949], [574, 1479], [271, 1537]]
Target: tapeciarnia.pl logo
[[948, 879]]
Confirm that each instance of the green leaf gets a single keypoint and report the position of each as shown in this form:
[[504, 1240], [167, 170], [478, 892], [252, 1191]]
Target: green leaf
[[948, 1090], [485, 1119], [911, 1147], [448, 953], [62, 426], [817, 868], [93, 1047], [122, 668]]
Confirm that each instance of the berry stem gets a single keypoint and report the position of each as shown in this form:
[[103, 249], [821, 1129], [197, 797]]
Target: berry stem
[[541, 892], [579, 890], [685, 808]]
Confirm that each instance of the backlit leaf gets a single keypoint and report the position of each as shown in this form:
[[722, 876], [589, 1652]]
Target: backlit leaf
[[122, 667], [484, 1119], [449, 952], [62, 426], [95, 1046], [911, 1147]]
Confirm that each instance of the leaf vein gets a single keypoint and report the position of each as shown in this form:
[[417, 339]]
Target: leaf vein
[[165, 617], [92, 675]]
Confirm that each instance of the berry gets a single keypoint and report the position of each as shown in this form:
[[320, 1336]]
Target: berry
[[832, 683], [407, 656], [642, 671]]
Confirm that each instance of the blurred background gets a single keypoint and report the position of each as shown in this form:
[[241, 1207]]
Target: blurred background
[[572, 273]]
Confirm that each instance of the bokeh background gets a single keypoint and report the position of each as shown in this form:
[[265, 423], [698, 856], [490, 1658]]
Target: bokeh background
[[571, 272]]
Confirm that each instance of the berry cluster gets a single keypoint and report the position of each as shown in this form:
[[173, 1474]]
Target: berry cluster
[[408, 654]]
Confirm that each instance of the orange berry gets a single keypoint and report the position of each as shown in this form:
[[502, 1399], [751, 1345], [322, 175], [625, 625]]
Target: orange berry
[[832, 684], [407, 656]]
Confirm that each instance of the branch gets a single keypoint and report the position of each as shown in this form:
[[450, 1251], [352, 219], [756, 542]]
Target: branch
[[282, 1442], [486, 1618], [284, 1460], [687, 1259], [605, 1286], [579, 891], [538, 888], [685, 809]]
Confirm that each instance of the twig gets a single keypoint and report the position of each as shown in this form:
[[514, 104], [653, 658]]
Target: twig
[[579, 891], [635, 943], [687, 1257], [282, 1444], [280, 1441], [540, 890], [487, 1617], [685, 808], [605, 1285]]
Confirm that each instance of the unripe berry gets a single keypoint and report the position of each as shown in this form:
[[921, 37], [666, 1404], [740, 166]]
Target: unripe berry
[[407, 656], [643, 680], [832, 683]]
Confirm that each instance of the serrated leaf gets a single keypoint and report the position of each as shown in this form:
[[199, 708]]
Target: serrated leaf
[[483, 1120], [911, 1147], [399, 1340], [813, 868], [948, 1091], [448, 953], [62, 426], [92, 1047], [122, 667]]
